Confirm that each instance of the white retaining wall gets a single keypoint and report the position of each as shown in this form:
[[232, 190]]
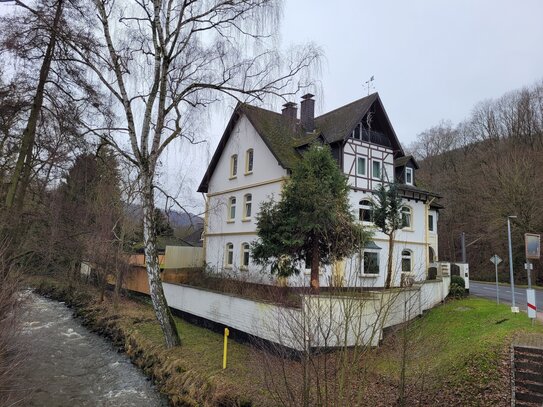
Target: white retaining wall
[[322, 321]]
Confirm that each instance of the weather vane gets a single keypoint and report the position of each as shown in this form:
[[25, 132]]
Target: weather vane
[[369, 84]]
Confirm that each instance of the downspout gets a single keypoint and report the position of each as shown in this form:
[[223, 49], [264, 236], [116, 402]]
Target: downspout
[[204, 235], [426, 232]]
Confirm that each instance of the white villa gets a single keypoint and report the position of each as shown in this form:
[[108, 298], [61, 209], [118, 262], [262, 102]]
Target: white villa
[[254, 158]]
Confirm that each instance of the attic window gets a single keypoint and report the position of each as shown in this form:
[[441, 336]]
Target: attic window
[[409, 176], [234, 166], [249, 161]]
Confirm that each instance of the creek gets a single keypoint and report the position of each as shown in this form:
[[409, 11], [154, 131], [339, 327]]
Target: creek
[[64, 364]]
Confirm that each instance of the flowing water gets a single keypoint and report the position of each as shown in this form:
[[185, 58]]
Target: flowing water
[[66, 365]]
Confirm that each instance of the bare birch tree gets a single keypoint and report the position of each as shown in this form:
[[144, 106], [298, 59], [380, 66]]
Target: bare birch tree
[[163, 62]]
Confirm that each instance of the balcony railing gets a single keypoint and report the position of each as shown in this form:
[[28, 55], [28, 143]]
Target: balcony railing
[[375, 137]]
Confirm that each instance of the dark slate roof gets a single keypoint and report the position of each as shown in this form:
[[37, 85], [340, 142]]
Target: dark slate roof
[[281, 136], [402, 161], [337, 123], [412, 192], [194, 238], [286, 139]]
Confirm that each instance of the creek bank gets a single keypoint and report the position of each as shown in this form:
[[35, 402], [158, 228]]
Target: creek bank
[[173, 377]]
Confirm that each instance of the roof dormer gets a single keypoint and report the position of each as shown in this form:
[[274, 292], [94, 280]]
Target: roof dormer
[[404, 170]]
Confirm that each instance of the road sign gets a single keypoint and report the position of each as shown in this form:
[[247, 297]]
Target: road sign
[[496, 259], [533, 246], [532, 309]]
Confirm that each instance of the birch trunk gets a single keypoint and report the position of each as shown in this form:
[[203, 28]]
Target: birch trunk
[[162, 311]]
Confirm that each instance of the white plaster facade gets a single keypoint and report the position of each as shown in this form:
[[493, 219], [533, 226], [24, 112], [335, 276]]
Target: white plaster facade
[[223, 234], [265, 181]]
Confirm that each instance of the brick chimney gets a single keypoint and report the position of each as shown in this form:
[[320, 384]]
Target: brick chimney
[[308, 112], [290, 110]]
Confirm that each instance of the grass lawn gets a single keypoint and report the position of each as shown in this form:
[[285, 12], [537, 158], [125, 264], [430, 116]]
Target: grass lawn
[[460, 344]]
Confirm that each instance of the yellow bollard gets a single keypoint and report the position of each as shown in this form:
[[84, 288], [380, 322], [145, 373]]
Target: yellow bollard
[[226, 333]]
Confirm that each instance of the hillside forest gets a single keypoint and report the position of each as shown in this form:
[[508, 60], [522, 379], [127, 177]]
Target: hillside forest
[[486, 168]]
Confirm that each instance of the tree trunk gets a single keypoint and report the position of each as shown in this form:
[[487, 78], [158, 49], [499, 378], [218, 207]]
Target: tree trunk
[[389, 260], [29, 134], [315, 260], [119, 268], [162, 311]]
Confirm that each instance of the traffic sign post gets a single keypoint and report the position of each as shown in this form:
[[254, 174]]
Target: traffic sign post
[[496, 260], [533, 252], [530, 297]]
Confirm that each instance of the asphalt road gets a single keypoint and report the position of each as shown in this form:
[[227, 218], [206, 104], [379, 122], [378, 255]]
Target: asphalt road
[[487, 290]]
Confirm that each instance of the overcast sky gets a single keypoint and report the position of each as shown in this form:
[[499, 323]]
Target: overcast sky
[[431, 59]]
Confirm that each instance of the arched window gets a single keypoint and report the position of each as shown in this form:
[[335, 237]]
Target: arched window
[[247, 206], [365, 211], [407, 261], [234, 166], [245, 255], [431, 254], [232, 208], [407, 217], [249, 161], [229, 255]]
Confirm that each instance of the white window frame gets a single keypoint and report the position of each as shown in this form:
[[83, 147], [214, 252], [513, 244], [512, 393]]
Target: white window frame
[[231, 209], [380, 176], [407, 255], [409, 172], [233, 166], [406, 209], [362, 266], [364, 167], [365, 207], [249, 161], [229, 255], [247, 203], [245, 249], [431, 225]]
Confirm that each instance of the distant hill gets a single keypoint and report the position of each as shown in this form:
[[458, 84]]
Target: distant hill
[[183, 220], [177, 219]]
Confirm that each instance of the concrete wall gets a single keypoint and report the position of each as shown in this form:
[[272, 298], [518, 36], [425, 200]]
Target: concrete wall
[[267, 321], [322, 321]]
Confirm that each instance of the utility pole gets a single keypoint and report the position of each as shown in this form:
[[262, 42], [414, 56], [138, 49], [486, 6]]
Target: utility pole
[[463, 244]]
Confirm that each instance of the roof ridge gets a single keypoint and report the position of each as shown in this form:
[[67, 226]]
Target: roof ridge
[[260, 108], [348, 104]]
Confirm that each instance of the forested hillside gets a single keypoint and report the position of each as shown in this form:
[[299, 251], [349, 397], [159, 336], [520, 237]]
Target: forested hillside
[[487, 168]]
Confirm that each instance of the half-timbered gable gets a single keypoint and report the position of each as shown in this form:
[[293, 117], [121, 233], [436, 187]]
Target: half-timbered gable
[[254, 157]]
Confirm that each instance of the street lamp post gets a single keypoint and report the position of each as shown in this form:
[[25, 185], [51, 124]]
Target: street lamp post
[[513, 307]]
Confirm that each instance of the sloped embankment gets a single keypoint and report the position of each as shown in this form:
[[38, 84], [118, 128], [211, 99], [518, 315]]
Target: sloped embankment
[[132, 329]]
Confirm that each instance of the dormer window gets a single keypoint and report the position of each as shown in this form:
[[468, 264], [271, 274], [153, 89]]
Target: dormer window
[[234, 166], [409, 176]]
